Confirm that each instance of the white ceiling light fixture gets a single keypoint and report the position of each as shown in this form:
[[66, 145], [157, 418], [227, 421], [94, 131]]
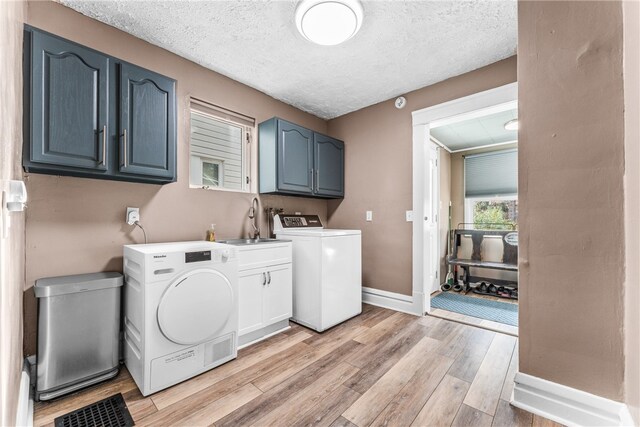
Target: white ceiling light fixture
[[511, 125], [329, 22]]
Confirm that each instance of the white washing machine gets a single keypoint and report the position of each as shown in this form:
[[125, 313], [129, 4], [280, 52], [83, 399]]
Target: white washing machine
[[327, 271], [180, 311]]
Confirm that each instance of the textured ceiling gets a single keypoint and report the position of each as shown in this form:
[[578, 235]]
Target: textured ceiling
[[402, 45], [477, 132]]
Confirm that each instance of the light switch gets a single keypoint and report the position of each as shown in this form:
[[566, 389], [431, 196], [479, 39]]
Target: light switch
[[369, 216], [409, 216]]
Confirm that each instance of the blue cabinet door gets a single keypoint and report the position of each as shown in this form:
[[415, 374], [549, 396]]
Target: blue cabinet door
[[295, 158], [328, 166], [147, 129], [68, 101]]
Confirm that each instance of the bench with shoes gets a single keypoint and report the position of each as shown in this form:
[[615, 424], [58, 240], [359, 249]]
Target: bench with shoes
[[509, 261]]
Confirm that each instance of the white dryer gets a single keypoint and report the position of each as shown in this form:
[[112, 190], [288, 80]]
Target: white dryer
[[180, 311], [327, 270]]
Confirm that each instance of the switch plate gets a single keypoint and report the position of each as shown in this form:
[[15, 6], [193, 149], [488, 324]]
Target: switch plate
[[369, 216], [409, 216], [133, 215]]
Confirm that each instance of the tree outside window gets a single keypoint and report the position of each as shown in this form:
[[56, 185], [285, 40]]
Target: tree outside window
[[493, 214]]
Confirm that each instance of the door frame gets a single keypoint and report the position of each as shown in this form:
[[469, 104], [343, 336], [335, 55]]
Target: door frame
[[423, 119]]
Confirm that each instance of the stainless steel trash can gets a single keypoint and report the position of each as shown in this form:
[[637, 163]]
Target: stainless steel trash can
[[78, 332]]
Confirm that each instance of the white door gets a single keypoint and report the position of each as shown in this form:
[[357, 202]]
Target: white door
[[251, 288], [278, 298], [432, 207]]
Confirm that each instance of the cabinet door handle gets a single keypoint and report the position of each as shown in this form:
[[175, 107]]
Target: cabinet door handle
[[269, 273], [312, 180], [124, 147], [317, 181], [264, 279], [104, 145]]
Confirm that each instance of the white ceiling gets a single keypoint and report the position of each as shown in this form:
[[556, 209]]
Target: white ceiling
[[402, 45], [477, 132]]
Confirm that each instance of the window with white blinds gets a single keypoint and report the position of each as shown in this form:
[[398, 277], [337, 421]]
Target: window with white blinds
[[491, 174], [219, 148]]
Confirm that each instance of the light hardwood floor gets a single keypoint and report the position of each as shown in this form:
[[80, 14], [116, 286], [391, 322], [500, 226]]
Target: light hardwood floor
[[380, 368]]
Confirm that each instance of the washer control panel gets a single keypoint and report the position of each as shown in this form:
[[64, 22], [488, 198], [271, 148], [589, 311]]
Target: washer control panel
[[287, 221]]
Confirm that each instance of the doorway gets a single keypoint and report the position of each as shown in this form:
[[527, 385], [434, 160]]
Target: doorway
[[441, 131]]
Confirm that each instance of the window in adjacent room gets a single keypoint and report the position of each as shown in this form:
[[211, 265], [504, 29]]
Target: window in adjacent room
[[491, 190], [219, 148]]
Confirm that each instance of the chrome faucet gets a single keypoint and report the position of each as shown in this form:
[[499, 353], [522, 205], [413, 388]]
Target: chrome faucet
[[253, 213]]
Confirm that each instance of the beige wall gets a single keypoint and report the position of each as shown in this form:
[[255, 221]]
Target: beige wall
[[457, 202], [378, 158], [631, 11], [76, 225], [12, 247], [457, 189], [571, 166]]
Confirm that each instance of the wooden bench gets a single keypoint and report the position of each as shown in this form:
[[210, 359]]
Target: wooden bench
[[509, 260]]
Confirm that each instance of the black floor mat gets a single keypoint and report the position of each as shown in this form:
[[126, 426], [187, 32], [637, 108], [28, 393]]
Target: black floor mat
[[109, 412]]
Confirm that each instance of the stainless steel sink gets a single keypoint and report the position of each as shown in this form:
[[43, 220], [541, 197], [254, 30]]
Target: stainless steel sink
[[243, 242]]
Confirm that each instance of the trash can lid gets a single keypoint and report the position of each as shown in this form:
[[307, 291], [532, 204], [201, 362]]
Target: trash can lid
[[61, 285]]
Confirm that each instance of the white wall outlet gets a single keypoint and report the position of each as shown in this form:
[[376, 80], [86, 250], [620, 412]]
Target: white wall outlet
[[369, 216], [409, 216], [133, 215]]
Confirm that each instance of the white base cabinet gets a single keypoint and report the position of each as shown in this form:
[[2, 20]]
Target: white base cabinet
[[265, 290]]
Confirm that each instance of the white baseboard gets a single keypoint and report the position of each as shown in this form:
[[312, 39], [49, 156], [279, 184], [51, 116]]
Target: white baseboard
[[391, 300], [566, 405], [264, 337], [24, 415]]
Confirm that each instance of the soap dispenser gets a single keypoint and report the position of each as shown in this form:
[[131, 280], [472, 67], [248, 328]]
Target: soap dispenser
[[211, 234]]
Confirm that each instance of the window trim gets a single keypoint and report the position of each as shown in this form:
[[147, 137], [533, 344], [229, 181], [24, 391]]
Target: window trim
[[247, 126]]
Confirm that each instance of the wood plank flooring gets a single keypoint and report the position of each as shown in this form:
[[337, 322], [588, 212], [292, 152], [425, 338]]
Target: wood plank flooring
[[381, 368]]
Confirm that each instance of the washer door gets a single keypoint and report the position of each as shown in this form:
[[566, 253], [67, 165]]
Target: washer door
[[195, 307]]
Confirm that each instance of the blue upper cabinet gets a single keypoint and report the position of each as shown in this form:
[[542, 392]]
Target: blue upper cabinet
[[147, 130], [79, 103], [328, 166], [69, 104], [297, 161], [295, 158]]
